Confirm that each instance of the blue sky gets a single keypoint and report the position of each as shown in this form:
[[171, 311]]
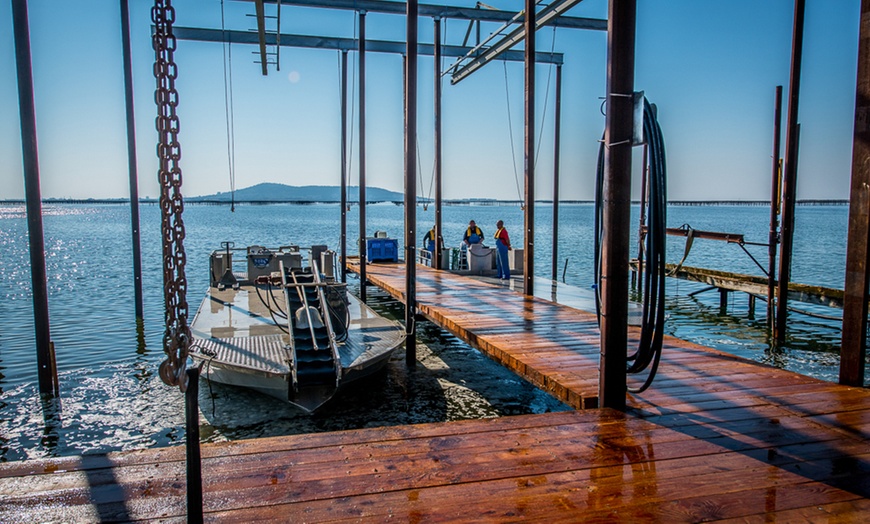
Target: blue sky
[[711, 68]]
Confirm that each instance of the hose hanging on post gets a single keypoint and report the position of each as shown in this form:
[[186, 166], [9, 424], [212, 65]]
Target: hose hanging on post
[[649, 349]]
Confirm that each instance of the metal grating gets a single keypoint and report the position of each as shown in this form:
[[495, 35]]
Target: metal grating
[[263, 353]]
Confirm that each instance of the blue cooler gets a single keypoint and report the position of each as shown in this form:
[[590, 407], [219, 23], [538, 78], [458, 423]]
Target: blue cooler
[[382, 250]]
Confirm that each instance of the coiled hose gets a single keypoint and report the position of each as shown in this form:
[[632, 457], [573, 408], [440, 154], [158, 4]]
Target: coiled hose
[[649, 349]]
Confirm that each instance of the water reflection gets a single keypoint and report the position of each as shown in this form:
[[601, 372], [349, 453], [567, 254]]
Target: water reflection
[[624, 471], [52, 425]]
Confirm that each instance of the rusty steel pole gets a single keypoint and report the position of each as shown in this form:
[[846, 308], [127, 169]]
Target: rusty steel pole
[[131, 159], [773, 236], [789, 178], [854, 345], [411, 185], [362, 156], [557, 139], [45, 361], [344, 165], [529, 179], [621, 22], [436, 259]]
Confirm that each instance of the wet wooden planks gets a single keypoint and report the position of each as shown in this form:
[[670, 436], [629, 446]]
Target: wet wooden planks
[[554, 348], [716, 438], [738, 462]]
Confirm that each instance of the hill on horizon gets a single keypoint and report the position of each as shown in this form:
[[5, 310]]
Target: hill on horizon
[[273, 192]]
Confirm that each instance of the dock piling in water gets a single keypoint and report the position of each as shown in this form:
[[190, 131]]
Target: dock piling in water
[[45, 359]]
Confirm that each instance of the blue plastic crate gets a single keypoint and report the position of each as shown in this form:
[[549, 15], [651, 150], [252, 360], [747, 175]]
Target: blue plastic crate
[[382, 250]]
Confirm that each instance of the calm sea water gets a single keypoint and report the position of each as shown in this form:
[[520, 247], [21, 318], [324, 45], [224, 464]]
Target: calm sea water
[[111, 397]]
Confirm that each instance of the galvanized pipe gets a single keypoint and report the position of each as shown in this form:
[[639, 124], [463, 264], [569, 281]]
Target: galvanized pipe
[[529, 179], [773, 237], [439, 238], [557, 138], [854, 345], [411, 186], [617, 202], [131, 159], [789, 179], [344, 166], [47, 373], [362, 156]]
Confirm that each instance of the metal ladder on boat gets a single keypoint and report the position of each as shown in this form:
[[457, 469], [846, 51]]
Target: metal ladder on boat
[[312, 338], [464, 252]]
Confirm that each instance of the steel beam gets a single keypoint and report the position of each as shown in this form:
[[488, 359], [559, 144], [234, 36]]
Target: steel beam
[[132, 170], [362, 156], [617, 202], [45, 362], [529, 178], [343, 44], [773, 233], [854, 345], [789, 178], [344, 166], [441, 11], [411, 186], [557, 139], [436, 259], [480, 55], [261, 34]]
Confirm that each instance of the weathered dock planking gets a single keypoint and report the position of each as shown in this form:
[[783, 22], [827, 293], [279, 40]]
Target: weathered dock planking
[[716, 438], [554, 348]]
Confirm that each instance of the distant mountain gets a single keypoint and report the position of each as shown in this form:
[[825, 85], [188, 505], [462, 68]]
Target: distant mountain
[[270, 192]]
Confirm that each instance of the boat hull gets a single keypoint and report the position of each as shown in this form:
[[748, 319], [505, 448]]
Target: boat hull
[[236, 342]]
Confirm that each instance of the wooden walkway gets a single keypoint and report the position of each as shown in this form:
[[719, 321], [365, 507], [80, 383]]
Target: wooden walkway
[[716, 438]]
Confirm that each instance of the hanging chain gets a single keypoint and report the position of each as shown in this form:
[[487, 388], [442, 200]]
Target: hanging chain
[[176, 338]]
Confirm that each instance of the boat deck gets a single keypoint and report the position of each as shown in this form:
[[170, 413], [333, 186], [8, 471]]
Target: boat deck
[[716, 438], [236, 327]]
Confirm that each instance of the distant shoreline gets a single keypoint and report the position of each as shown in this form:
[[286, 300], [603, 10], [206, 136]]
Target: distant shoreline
[[451, 202]]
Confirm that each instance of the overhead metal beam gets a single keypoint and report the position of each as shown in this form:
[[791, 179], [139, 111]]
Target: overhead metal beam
[[480, 56], [442, 11], [342, 44], [261, 34]]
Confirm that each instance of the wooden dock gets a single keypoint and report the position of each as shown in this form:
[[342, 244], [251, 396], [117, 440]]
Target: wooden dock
[[716, 438]]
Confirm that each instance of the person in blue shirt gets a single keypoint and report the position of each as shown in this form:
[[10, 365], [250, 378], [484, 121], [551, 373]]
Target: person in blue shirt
[[473, 235]]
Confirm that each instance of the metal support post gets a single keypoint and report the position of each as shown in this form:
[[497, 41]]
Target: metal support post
[[194, 459], [529, 180], [773, 234], [131, 159], [344, 166], [362, 156], [854, 345], [617, 202], [411, 186], [439, 238], [47, 372], [789, 179], [557, 138]]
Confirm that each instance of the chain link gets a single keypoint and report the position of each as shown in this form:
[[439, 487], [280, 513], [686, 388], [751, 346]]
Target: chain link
[[176, 338]]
